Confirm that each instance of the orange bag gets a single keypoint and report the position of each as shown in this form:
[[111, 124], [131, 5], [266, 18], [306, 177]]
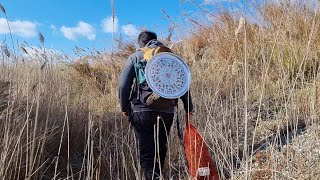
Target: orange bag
[[200, 164]]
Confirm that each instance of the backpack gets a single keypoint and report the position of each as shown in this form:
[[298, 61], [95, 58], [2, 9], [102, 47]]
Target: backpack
[[144, 93]]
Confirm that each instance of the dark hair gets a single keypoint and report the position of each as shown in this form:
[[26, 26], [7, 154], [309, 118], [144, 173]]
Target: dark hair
[[146, 36]]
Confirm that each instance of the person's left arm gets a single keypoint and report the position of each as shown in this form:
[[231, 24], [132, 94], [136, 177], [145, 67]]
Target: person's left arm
[[125, 83]]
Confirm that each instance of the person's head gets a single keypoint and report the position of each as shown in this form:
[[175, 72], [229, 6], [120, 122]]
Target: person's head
[[146, 36]]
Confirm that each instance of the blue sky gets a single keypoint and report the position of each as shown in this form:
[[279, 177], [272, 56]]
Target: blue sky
[[87, 24]]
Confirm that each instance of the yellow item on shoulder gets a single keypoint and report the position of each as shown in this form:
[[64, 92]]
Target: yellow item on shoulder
[[149, 52]]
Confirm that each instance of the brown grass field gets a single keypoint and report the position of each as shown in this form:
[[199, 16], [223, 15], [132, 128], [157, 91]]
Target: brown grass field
[[255, 85]]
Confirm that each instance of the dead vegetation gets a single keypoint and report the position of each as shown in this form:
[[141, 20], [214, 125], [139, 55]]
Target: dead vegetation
[[255, 84]]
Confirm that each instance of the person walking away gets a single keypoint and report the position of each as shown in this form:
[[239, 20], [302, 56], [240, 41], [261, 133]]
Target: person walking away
[[151, 125]]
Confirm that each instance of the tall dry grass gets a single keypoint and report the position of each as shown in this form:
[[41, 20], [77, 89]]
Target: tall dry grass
[[255, 88]]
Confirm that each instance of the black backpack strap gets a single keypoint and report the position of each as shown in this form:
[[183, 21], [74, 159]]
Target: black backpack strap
[[136, 84]]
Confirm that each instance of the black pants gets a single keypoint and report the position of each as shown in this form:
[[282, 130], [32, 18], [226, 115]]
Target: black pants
[[152, 133]]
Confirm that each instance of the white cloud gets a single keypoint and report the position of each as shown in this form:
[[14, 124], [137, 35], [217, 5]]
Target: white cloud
[[53, 27], [107, 24], [21, 28], [82, 29], [130, 30]]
